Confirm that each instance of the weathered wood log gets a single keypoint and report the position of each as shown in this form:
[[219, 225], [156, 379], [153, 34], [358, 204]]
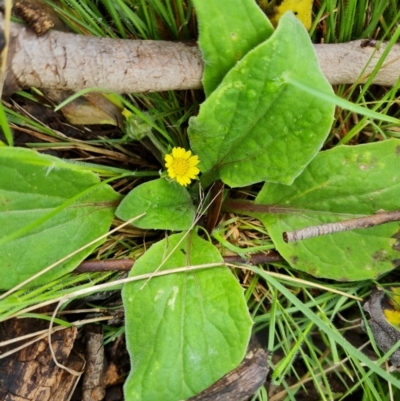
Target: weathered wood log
[[67, 61]]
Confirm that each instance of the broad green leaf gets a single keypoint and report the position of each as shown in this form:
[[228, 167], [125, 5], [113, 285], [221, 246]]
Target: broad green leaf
[[340, 184], [183, 330], [33, 235], [257, 127], [227, 31], [168, 206]]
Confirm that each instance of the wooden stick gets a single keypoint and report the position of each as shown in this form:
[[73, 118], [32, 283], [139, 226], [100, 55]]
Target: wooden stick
[[353, 224], [127, 264]]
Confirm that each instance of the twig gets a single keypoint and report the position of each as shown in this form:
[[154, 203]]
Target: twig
[[105, 265], [256, 258], [345, 225], [127, 264]]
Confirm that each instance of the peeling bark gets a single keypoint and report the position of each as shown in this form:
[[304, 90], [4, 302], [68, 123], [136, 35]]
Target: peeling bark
[[31, 374], [92, 387], [66, 61]]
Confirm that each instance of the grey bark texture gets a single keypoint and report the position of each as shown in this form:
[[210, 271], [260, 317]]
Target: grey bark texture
[[241, 383], [67, 61]]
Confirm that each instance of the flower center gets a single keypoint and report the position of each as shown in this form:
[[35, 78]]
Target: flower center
[[181, 166]]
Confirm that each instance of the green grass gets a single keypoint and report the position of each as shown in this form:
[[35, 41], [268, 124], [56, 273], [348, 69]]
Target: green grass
[[304, 322]]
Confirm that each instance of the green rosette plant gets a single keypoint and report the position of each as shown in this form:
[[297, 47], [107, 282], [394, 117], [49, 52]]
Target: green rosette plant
[[267, 114]]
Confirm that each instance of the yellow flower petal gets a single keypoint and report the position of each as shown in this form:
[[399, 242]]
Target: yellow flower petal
[[194, 161], [171, 173], [178, 153]]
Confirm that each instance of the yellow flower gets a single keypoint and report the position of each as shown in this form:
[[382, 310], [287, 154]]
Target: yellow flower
[[181, 166]]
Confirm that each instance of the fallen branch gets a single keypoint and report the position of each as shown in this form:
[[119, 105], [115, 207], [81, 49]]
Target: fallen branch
[[353, 224], [66, 61]]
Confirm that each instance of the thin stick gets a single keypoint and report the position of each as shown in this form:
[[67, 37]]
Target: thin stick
[[105, 265], [345, 225], [127, 264]]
